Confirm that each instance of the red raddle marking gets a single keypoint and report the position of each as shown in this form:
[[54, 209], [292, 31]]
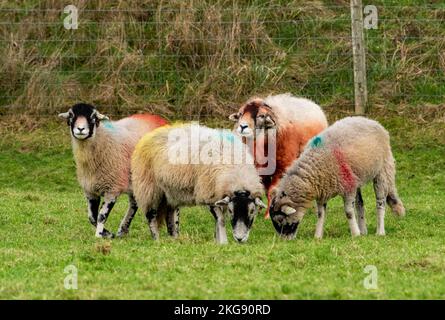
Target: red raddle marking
[[151, 118], [289, 144], [347, 177]]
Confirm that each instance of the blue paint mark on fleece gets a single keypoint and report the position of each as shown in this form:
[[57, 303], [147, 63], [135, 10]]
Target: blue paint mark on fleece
[[316, 142], [227, 135], [108, 125]]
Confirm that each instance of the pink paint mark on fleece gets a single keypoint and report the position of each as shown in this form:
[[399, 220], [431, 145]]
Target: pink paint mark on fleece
[[346, 176]]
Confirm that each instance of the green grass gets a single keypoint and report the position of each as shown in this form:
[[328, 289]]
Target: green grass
[[203, 63], [44, 228]]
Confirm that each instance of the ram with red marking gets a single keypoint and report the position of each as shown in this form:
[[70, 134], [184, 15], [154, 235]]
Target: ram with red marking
[[294, 121]]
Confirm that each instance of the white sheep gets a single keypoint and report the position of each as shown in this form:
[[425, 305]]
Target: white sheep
[[338, 161], [185, 165], [102, 150]]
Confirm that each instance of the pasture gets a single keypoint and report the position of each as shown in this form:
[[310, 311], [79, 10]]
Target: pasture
[[44, 229], [200, 60]]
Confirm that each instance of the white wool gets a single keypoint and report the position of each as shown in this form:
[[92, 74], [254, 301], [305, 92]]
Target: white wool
[[289, 108]]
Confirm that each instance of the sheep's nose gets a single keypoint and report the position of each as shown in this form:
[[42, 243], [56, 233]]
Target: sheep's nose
[[239, 239], [80, 129], [243, 126]]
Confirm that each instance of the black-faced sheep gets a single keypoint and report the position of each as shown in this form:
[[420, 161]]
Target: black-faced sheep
[[186, 165], [339, 161], [102, 150]]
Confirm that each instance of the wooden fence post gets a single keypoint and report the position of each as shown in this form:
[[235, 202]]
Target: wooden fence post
[[359, 57]]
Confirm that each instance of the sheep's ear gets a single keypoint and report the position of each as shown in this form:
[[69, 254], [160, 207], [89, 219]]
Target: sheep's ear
[[65, 115], [223, 202], [288, 210], [260, 203], [234, 117], [269, 122]]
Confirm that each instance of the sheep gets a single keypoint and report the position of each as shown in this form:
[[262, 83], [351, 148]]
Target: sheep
[[281, 124], [102, 151], [189, 164], [338, 161]]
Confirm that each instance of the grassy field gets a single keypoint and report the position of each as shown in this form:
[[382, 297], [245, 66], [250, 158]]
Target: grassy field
[[201, 59], [44, 228]]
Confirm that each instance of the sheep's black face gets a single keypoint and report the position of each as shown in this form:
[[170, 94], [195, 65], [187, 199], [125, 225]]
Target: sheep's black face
[[284, 225], [242, 211], [285, 218], [83, 120]]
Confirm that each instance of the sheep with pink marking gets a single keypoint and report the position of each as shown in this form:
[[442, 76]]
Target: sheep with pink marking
[[338, 161], [102, 150]]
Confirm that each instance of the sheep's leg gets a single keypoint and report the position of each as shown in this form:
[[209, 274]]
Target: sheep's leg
[[220, 227], [360, 208], [124, 227], [173, 222], [152, 220], [380, 196], [273, 182], [321, 213], [267, 181], [93, 211], [93, 208], [350, 214], [101, 232]]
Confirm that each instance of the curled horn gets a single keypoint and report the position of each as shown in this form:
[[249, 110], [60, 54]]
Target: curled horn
[[223, 202], [234, 117], [288, 210], [99, 115], [260, 203]]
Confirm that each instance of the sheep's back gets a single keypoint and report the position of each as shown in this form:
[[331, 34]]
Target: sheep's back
[[183, 182], [360, 143], [295, 110], [104, 166]]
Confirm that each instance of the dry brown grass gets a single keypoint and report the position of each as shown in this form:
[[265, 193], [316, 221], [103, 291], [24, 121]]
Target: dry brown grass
[[200, 59]]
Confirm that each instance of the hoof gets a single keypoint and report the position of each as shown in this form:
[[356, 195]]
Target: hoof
[[121, 234], [105, 234]]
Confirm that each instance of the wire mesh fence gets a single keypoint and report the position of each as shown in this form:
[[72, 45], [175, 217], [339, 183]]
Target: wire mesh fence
[[201, 58]]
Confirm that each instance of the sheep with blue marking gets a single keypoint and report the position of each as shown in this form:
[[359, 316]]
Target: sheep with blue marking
[[187, 165], [338, 161], [102, 150]]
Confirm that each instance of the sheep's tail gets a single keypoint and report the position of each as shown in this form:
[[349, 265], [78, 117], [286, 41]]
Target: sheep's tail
[[392, 198]]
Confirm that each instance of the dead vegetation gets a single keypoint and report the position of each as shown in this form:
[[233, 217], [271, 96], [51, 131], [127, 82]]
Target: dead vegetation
[[200, 59]]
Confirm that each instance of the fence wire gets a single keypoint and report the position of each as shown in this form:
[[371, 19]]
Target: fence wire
[[202, 59]]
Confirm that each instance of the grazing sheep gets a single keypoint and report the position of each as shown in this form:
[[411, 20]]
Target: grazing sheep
[[339, 161], [102, 150], [295, 121], [186, 165]]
